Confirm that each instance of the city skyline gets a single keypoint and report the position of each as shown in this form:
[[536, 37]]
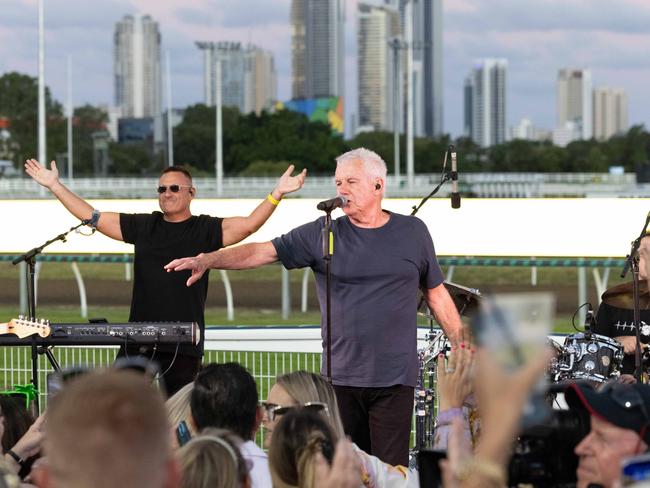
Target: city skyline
[[609, 39]]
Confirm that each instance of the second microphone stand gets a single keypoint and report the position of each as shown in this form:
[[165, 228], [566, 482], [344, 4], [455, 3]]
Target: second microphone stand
[[632, 262], [30, 259]]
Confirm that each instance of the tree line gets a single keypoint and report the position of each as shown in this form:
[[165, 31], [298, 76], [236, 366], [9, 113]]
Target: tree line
[[262, 144]]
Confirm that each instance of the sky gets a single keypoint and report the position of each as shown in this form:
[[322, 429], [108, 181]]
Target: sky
[[537, 37]]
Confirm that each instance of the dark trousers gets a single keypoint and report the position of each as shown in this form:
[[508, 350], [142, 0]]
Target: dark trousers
[[176, 372], [378, 420]]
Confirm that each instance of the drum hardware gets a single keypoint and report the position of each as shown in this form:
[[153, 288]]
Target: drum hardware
[[467, 302], [588, 356], [621, 296]]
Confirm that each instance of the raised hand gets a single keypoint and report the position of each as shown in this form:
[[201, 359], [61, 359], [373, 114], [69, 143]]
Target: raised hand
[[195, 265], [455, 378], [287, 183], [42, 175]]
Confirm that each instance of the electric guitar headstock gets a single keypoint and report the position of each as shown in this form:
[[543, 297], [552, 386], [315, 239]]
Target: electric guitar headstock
[[23, 327]]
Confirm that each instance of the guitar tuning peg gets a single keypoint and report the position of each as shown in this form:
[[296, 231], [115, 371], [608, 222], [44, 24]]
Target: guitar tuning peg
[[21, 317]]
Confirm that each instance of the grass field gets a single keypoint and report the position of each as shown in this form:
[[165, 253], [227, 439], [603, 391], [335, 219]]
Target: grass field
[[472, 276]]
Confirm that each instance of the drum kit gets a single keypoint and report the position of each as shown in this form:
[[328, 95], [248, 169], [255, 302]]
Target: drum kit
[[583, 356]]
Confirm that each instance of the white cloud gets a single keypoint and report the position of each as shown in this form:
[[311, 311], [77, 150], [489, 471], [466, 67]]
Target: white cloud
[[536, 36]]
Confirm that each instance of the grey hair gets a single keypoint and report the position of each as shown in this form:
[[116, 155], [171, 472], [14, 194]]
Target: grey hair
[[375, 166]]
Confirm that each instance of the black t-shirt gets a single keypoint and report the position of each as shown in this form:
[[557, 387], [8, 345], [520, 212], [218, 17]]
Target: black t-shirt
[[613, 321], [159, 296]]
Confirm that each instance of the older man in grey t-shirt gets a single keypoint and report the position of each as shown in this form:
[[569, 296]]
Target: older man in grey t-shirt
[[381, 260]]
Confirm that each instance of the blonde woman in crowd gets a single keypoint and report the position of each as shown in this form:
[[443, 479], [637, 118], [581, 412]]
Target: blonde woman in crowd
[[302, 388], [213, 460]]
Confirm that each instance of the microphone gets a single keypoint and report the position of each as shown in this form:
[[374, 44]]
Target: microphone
[[455, 196], [332, 203]]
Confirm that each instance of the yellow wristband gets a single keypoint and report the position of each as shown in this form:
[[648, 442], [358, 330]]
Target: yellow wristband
[[273, 201]]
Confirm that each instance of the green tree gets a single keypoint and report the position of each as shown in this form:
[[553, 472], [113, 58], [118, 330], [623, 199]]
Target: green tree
[[265, 168], [19, 103], [87, 120], [130, 159]]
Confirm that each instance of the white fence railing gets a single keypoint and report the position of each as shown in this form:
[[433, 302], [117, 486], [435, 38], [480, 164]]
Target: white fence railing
[[265, 351], [478, 184]]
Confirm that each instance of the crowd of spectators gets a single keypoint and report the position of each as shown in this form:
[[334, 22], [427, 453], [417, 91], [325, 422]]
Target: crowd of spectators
[[113, 428]]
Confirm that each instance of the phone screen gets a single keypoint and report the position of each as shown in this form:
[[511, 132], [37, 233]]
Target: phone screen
[[514, 328], [183, 433]]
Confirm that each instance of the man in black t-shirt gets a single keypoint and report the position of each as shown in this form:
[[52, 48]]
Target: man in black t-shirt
[[160, 237], [615, 316], [381, 259]]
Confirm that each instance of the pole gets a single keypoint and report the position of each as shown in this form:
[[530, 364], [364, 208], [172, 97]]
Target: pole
[[409, 94], [170, 132], [218, 148], [396, 45], [41, 86], [70, 115]]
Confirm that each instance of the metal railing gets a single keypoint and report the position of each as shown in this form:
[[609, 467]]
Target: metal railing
[[515, 185]]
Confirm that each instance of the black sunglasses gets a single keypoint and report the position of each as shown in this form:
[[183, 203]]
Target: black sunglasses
[[172, 188], [273, 411]]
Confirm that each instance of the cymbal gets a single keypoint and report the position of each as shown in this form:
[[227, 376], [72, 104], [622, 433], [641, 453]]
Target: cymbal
[[467, 300], [621, 295]]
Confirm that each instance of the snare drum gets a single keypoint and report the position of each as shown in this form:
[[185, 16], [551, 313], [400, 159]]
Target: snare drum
[[589, 357]]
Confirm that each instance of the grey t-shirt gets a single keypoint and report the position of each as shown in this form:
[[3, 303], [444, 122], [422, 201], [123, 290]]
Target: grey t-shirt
[[376, 274]]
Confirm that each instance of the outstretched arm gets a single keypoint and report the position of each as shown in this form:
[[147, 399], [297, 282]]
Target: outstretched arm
[[109, 222], [246, 256], [236, 229]]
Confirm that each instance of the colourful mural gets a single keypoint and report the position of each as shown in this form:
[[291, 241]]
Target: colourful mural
[[328, 110]]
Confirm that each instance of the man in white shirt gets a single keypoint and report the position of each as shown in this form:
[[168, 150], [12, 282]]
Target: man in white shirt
[[225, 397]]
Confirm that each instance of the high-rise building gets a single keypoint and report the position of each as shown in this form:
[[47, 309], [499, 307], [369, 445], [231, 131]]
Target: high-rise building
[[137, 66], [377, 26], [317, 46], [248, 78], [261, 81], [525, 130], [485, 102], [575, 101], [427, 64], [610, 112]]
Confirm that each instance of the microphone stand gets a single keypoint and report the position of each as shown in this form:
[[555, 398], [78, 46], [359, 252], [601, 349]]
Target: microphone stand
[[328, 249], [446, 176], [30, 259], [632, 261]]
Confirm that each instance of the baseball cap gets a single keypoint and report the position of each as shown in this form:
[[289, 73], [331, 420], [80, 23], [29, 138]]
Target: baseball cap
[[623, 405]]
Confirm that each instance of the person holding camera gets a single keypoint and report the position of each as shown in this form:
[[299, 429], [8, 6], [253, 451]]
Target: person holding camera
[[620, 428]]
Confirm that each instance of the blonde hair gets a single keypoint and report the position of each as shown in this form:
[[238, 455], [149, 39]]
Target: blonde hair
[[178, 408], [307, 387], [212, 460], [300, 436]]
